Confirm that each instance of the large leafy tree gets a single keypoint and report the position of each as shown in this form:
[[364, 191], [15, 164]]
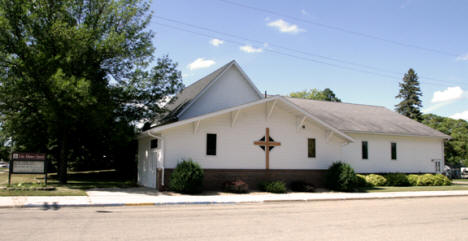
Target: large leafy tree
[[410, 94], [76, 78], [456, 149], [316, 94]]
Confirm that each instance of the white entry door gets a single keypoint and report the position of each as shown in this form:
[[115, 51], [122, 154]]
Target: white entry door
[[151, 173]]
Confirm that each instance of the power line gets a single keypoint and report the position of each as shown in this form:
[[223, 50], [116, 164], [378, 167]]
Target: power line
[[300, 51], [296, 56], [340, 29], [276, 45]]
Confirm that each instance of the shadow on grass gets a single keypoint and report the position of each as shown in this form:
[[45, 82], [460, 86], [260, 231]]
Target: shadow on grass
[[94, 179], [369, 189]]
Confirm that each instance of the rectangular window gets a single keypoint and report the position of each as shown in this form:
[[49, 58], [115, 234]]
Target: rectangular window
[[154, 143], [365, 152], [394, 151], [211, 144], [311, 147]]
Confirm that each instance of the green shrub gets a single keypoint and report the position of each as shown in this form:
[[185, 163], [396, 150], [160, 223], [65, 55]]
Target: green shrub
[[361, 181], [376, 180], [397, 179], [442, 180], [187, 177], [237, 186], [429, 180], [413, 179], [341, 177], [274, 187], [301, 186], [426, 180]]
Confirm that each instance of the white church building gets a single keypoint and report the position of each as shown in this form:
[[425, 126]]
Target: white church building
[[233, 131]]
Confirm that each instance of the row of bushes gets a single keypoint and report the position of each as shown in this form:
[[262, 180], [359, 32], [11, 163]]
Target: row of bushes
[[341, 177], [400, 179], [188, 178]]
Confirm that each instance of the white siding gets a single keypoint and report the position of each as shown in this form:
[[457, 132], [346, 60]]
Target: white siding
[[414, 154], [231, 89], [235, 149]]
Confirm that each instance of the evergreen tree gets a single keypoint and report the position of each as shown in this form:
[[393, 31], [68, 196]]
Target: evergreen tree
[[410, 92]]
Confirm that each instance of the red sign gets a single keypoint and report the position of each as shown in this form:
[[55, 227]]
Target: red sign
[[29, 156]]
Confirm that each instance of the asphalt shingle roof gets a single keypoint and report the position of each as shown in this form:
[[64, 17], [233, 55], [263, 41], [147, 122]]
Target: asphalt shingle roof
[[365, 118]]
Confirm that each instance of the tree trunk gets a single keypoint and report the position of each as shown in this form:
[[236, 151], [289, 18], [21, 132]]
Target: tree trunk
[[62, 162]]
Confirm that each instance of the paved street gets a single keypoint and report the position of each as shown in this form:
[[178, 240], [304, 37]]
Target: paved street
[[398, 219]]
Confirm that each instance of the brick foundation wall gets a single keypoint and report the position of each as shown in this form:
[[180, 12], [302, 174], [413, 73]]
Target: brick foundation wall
[[214, 178]]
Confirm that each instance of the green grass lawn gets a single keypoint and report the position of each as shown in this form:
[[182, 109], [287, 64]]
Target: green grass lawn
[[78, 182], [460, 180], [415, 188]]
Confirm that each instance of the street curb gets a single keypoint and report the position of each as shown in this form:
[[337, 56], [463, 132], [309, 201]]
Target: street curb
[[362, 198], [55, 205]]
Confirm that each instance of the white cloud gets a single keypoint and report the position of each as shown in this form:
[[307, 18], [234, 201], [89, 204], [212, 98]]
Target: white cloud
[[462, 115], [463, 57], [304, 12], [249, 49], [216, 42], [450, 94], [285, 27], [201, 63]]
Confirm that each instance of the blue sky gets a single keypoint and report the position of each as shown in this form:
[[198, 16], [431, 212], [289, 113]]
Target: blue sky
[[292, 51]]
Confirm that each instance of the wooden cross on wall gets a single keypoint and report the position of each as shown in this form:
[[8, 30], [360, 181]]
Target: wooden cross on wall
[[267, 144]]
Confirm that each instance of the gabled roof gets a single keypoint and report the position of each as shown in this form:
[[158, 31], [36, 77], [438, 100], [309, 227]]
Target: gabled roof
[[341, 118], [365, 119], [189, 94]]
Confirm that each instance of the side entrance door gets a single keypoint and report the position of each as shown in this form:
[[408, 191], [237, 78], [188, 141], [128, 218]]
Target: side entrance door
[[152, 163]]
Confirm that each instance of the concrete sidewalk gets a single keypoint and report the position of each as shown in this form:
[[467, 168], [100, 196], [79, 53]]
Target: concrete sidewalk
[[141, 197]]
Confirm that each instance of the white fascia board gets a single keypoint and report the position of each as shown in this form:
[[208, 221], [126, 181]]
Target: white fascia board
[[220, 112], [396, 134], [317, 120]]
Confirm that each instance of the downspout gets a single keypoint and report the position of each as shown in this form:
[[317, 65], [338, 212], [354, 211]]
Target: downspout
[[163, 156]]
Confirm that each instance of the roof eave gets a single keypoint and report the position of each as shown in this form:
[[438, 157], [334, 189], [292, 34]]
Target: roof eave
[[284, 100], [396, 134]]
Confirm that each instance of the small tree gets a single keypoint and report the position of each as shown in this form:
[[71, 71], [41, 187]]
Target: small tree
[[187, 178], [341, 177], [410, 93]]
